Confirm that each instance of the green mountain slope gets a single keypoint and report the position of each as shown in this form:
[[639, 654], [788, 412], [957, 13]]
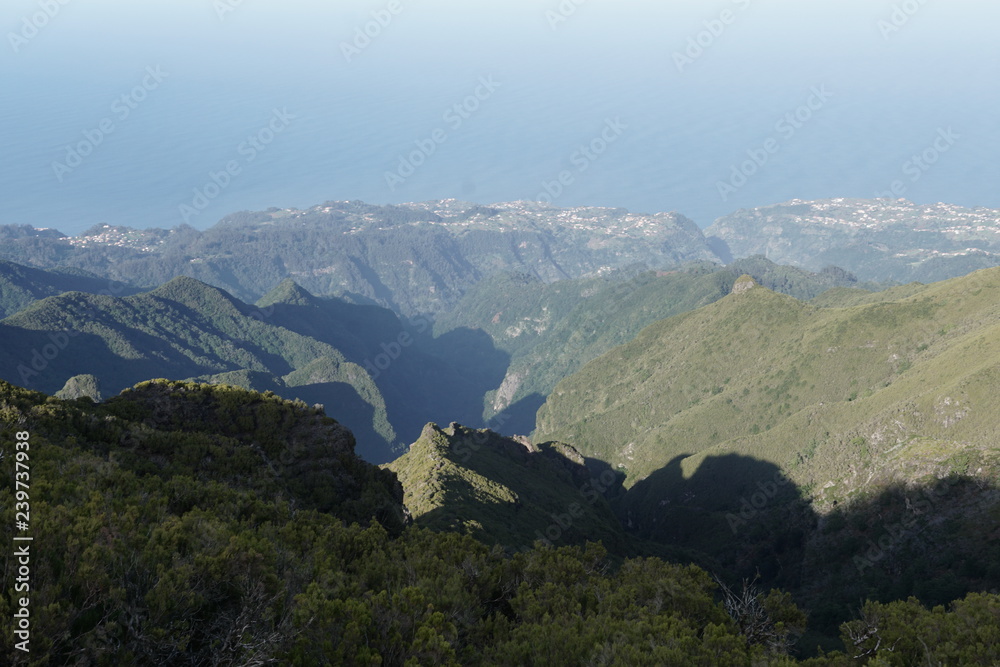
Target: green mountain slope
[[21, 286], [190, 524], [385, 376], [734, 371], [183, 329], [551, 330], [841, 453]]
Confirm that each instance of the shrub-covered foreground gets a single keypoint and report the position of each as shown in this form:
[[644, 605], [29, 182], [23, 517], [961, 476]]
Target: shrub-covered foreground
[[192, 525]]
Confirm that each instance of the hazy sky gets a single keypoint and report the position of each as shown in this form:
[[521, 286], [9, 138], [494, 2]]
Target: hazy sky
[[701, 107]]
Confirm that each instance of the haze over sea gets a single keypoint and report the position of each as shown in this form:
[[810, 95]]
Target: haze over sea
[[684, 92]]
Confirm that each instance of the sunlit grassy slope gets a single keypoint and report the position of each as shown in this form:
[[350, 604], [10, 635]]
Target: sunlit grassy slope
[[841, 398]]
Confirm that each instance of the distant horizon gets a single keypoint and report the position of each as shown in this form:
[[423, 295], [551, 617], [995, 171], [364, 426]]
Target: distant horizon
[[701, 226]]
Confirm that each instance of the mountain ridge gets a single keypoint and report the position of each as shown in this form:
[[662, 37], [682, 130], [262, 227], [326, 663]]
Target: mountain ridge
[[507, 491], [185, 329], [413, 258], [762, 315], [881, 240]]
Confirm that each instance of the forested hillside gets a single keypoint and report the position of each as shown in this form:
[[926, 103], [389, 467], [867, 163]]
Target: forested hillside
[[21, 286], [551, 330], [842, 453], [319, 350], [757, 448], [188, 525]]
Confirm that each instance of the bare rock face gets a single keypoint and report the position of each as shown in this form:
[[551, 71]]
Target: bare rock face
[[743, 284], [80, 386]]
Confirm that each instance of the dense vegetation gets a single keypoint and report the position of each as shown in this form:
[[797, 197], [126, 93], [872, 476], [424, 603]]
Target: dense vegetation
[[551, 330], [185, 524], [360, 360], [841, 453], [21, 286], [743, 448]]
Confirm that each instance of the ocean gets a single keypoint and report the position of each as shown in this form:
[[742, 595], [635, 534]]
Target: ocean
[[168, 134]]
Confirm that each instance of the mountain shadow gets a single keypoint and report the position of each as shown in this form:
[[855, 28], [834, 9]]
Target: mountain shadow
[[715, 509], [518, 418], [352, 410], [936, 540], [473, 350], [720, 248], [479, 366], [421, 378], [739, 517]]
